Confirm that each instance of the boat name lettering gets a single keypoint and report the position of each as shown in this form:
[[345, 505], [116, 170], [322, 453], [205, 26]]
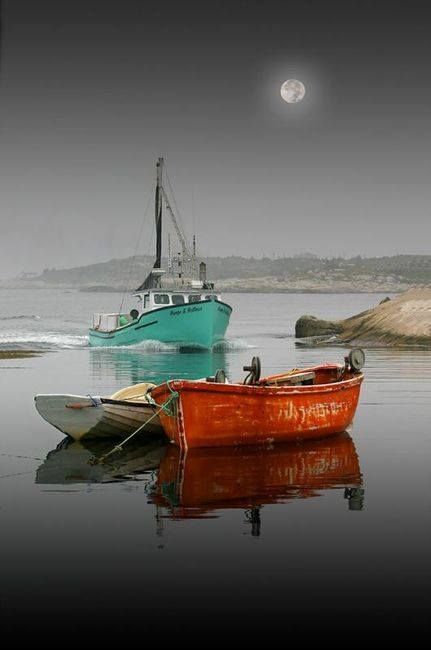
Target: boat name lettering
[[184, 310]]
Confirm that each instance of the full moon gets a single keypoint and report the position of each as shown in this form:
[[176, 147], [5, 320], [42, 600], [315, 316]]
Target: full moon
[[292, 91]]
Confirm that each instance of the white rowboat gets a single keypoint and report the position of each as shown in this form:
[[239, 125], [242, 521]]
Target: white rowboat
[[100, 417]]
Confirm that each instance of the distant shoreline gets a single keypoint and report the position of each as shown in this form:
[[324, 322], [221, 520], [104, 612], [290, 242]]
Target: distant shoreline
[[236, 274], [245, 290]]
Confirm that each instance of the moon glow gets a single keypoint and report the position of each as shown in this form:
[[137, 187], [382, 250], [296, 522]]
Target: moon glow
[[292, 91]]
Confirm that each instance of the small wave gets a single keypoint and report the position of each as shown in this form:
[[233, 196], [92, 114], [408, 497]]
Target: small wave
[[157, 346], [231, 345], [227, 345], [146, 346], [42, 341], [21, 317]]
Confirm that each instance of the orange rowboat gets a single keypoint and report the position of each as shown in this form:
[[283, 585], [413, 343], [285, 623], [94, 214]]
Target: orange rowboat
[[300, 404]]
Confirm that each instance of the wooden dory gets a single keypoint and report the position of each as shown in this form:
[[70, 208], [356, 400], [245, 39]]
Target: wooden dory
[[301, 404], [100, 417]]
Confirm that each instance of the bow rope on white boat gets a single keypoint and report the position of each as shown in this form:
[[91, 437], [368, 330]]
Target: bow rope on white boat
[[160, 407]]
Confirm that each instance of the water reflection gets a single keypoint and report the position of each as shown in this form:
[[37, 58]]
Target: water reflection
[[199, 483], [71, 462], [134, 366]]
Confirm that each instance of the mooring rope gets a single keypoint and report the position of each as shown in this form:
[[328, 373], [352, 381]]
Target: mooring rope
[[165, 406], [161, 407], [10, 455], [30, 471]]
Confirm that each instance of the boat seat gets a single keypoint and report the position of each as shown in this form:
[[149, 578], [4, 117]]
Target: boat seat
[[302, 378], [135, 392]]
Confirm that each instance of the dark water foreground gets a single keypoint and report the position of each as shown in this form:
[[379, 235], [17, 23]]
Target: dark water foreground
[[305, 540]]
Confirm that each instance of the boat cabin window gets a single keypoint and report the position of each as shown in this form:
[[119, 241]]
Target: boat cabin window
[[194, 297], [177, 299], [161, 299]]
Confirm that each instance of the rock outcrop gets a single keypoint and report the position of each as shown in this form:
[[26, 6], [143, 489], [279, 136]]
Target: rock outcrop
[[402, 321], [312, 326]]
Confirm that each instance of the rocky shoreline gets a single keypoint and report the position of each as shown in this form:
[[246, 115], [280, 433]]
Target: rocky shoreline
[[404, 321]]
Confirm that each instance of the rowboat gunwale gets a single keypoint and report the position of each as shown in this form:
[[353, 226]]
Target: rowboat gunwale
[[188, 385]]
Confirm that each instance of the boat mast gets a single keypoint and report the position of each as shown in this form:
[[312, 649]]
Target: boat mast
[[158, 216], [153, 280], [187, 259]]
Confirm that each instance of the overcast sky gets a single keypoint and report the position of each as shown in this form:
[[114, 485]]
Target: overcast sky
[[92, 92]]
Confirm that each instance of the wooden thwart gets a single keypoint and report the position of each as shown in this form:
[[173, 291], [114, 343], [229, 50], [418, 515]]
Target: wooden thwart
[[296, 378]]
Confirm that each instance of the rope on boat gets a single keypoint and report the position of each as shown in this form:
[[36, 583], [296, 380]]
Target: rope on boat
[[161, 407], [20, 456], [165, 406]]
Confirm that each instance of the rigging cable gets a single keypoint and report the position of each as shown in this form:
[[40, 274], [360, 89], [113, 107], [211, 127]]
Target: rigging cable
[[177, 212], [132, 259]]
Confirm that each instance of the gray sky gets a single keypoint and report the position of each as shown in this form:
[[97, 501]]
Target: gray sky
[[93, 92]]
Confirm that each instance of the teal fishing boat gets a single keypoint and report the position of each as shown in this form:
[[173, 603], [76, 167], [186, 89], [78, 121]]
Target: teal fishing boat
[[176, 306]]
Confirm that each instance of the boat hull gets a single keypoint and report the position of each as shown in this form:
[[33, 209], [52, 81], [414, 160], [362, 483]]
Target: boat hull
[[210, 415], [195, 325], [82, 417]]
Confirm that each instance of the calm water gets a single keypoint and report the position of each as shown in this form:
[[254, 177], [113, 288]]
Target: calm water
[[328, 534]]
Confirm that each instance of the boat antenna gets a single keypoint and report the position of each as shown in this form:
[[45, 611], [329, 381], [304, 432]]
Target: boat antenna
[[169, 253], [194, 256]]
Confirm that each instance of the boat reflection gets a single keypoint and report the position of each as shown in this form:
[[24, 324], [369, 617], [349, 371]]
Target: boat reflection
[[133, 366], [72, 462], [200, 482]]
